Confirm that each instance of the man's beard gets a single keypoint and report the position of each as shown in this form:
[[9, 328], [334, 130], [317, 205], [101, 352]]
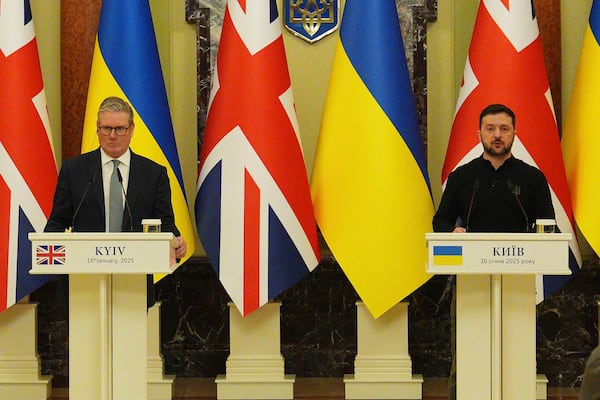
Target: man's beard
[[491, 151]]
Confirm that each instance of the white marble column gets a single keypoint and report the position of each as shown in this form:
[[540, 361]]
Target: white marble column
[[255, 366], [19, 362], [383, 367], [160, 386]]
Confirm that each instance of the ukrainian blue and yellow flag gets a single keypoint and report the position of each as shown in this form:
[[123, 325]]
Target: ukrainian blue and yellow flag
[[580, 141], [369, 185], [447, 255], [126, 64]]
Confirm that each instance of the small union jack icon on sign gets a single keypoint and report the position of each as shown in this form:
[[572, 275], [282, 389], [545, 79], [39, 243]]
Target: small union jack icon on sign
[[50, 255]]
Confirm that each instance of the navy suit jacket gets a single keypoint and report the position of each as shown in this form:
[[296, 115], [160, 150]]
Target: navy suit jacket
[[80, 185], [148, 196]]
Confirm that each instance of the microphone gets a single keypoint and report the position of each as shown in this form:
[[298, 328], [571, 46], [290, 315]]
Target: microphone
[[85, 192], [120, 177], [516, 191], [475, 189]]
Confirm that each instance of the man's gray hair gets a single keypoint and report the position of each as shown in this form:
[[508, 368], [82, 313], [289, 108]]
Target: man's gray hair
[[116, 104]]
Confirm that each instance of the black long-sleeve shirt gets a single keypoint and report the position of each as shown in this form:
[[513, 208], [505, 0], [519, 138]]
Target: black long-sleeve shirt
[[484, 199]]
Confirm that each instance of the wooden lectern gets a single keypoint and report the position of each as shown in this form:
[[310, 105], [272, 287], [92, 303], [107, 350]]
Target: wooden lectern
[[496, 306], [107, 305]]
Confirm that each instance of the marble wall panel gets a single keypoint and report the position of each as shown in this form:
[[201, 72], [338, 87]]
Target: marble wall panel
[[79, 24]]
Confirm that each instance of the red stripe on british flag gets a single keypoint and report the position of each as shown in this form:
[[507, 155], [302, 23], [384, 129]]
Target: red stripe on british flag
[[251, 244]]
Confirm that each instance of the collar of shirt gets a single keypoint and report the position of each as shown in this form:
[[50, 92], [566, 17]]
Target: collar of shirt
[[506, 164], [107, 168], [125, 159]]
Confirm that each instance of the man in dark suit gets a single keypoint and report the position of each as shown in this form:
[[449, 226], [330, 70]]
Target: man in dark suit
[[81, 200]]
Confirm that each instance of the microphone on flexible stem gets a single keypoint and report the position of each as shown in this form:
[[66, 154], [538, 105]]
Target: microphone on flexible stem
[[120, 177], [516, 191], [85, 192], [475, 188]]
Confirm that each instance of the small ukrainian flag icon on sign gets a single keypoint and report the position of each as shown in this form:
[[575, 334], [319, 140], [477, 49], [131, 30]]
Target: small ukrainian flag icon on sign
[[447, 255]]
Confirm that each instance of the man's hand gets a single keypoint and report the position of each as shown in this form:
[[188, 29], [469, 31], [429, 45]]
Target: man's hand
[[459, 229], [180, 247]]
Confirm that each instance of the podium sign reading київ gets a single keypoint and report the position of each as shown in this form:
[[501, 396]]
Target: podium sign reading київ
[[107, 305], [498, 253], [496, 306]]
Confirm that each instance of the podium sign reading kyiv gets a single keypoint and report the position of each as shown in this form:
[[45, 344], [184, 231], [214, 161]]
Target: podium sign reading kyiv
[[114, 253], [512, 253]]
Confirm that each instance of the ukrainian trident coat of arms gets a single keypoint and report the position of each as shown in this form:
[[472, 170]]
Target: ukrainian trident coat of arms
[[311, 20]]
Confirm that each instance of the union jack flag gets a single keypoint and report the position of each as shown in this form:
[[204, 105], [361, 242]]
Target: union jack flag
[[513, 74], [253, 208], [27, 166], [50, 255]]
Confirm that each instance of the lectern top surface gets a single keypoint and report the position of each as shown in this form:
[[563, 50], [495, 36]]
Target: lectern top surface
[[101, 235], [494, 236]]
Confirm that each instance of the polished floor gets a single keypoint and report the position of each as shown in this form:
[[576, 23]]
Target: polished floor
[[314, 389]]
